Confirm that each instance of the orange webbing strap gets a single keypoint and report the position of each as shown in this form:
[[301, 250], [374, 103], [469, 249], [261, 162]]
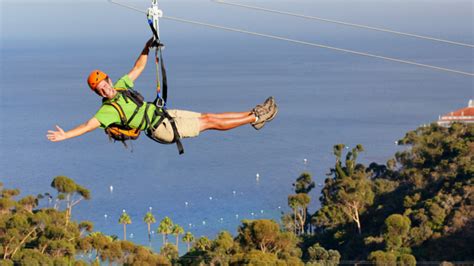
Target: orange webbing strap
[[120, 111]]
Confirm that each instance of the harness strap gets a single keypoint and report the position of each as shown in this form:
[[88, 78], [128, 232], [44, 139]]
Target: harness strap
[[134, 113], [175, 133], [176, 137], [164, 77], [145, 117], [123, 117]]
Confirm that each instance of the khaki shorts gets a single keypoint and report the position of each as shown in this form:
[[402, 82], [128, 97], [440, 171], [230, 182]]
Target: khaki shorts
[[187, 123]]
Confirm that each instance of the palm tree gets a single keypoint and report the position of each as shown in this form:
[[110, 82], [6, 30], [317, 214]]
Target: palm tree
[[176, 231], [164, 228], [125, 219], [149, 219], [188, 238]]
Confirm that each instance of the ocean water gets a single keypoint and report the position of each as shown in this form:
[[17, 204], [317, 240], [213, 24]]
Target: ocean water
[[325, 97]]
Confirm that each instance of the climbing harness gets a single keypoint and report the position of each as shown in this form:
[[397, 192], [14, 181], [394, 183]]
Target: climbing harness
[[122, 131], [153, 16]]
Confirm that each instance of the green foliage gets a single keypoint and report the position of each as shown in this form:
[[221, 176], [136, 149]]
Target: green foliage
[[149, 218], [299, 204], [259, 234], [45, 236], [170, 251], [259, 242], [348, 190], [417, 205], [406, 260], [6, 263], [202, 244], [320, 256], [177, 230], [256, 258], [304, 183], [188, 238], [224, 243], [266, 236], [69, 191], [383, 258], [67, 186], [397, 228], [165, 228], [124, 220]]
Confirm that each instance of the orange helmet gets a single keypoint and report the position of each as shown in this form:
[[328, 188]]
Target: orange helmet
[[95, 77]]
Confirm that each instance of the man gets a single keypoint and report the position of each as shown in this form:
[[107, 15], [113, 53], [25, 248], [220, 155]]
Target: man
[[188, 124]]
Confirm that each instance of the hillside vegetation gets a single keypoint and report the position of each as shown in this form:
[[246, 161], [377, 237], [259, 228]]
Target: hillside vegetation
[[415, 207]]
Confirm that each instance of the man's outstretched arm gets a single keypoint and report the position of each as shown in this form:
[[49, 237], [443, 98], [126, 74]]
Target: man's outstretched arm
[[141, 61], [59, 134]]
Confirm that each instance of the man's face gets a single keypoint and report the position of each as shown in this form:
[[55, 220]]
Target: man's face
[[106, 89]]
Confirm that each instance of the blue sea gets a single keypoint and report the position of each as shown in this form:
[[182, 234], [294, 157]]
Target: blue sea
[[325, 97]]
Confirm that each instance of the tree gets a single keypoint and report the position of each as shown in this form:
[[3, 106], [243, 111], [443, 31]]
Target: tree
[[221, 249], [68, 189], [299, 204], [397, 228], [165, 228], [188, 238], [170, 251], [29, 203], [320, 256], [125, 219], [39, 236], [304, 183], [202, 244], [177, 230], [266, 236], [383, 258], [149, 219], [349, 188]]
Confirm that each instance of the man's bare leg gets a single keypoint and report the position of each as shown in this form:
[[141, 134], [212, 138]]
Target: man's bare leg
[[228, 115], [213, 121]]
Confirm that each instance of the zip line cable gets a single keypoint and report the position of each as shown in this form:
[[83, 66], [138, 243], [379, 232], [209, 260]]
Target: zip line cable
[[318, 45], [342, 23], [301, 42]]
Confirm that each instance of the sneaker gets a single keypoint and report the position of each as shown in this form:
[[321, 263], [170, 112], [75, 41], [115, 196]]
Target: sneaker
[[265, 113], [270, 103]]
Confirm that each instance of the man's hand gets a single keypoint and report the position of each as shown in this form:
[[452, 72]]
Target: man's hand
[[150, 42], [57, 135]]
